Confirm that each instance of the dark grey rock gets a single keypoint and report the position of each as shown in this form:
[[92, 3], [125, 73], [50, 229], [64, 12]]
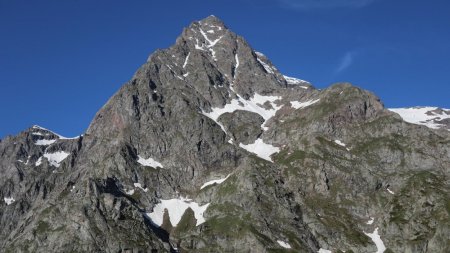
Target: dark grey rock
[[339, 157]]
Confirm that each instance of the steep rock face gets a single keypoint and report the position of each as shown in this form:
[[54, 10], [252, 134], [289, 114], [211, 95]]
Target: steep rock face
[[208, 148]]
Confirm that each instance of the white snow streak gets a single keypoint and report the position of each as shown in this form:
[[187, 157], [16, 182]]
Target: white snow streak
[[176, 209], [284, 244], [216, 181], [186, 60], [324, 251], [261, 149], [197, 46], [370, 222], [211, 43], [389, 190], [39, 161], [377, 240], [9, 200], [59, 136], [149, 162], [293, 80], [236, 59], [299, 105], [266, 66]]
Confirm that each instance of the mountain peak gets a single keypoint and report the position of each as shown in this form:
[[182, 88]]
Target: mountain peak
[[212, 20], [210, 137], [206, 33]]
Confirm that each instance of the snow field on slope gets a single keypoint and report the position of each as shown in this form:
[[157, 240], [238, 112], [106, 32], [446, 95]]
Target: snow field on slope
[[54, 159], [377, 240], [149, 162], [253, 105], [261, 149], [176, 209], [419, 116]]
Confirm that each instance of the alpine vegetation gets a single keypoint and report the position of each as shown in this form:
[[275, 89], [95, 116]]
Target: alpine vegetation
[[209, 148]]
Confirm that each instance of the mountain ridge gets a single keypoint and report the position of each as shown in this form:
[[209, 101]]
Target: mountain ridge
[[208, 148]]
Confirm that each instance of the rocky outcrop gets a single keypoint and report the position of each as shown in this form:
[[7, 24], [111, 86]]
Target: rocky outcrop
[[208, 148]]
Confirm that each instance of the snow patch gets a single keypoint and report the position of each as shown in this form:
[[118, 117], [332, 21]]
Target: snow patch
[[261, 149], [59, 136], [56, 158], [370, 222], [298, 105], [266, 66], [9, 200], [340, 143], [39, 161], [176, 209], [216, 181], [377, 240], [255, 104], [149, 162], [324, 251], [423, 115], [284, 244], [44, 142], [138, 185], [293, 80], [389, 190]]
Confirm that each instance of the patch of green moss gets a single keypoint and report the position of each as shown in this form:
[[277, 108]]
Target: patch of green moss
[[393, 142], [397, 215], [42, 227], [228, 187], [338, 219], [227, 226], [136, 195]]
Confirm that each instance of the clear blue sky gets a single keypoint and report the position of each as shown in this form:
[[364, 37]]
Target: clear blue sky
[[61, 60]]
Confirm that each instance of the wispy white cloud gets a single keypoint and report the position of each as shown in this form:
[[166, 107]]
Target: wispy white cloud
[[325, 4], [345, 62]]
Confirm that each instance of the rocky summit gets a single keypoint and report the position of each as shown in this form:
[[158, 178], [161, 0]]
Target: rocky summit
[[209, 148]]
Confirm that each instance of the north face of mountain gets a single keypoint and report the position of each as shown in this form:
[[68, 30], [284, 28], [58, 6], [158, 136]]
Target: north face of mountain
[[209, 148]]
